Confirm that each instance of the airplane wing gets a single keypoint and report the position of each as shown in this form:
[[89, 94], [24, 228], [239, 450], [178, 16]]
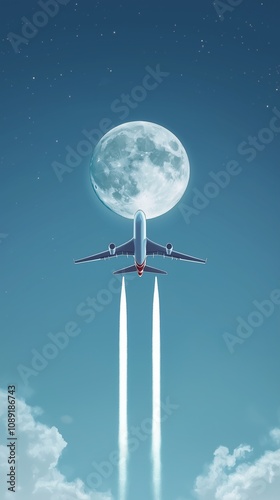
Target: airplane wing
[[155, 249], [125, 249]]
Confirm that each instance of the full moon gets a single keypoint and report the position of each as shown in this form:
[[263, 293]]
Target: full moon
[[139, 166]]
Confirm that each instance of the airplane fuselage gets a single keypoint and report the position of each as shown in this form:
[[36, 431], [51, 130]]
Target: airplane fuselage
[[140, 241]]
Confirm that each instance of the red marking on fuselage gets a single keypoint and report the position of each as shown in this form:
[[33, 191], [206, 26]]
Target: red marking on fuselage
[[140, 268]]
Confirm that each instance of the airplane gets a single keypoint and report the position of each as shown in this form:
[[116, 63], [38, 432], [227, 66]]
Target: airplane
[[140, 247]]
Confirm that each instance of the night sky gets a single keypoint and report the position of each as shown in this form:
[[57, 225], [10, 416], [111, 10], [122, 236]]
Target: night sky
[[214, 82]]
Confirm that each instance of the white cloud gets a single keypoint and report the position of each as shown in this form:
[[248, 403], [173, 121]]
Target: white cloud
[[236, 477], [38, 450]]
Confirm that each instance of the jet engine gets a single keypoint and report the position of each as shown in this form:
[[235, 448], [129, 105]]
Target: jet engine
[[169, 248], [112, 249]]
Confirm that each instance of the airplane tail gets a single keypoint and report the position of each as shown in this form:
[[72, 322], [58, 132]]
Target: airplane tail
[[132, 269]]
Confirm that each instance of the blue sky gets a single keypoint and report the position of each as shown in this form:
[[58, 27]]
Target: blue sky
[[220, 96]]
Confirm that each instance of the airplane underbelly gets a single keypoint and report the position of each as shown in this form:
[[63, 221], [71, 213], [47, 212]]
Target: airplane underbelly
[[140, 251]]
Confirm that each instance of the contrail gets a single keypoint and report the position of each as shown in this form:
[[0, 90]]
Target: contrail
[[123, 432], [156, 428]]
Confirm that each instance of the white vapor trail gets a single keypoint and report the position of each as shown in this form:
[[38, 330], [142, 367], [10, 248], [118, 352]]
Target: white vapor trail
[[123, 431], [156, 427]]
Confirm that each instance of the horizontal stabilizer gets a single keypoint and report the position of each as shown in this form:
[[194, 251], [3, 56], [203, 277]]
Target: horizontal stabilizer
[[130, 269], [149, 269]]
